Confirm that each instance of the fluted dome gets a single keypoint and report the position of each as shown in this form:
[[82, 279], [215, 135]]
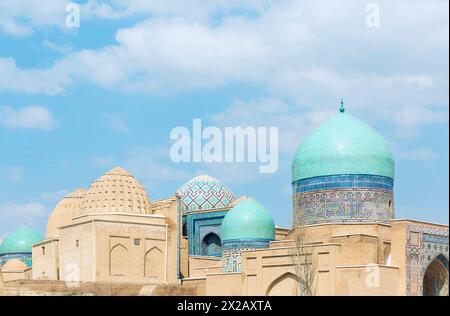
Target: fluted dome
[[62, 215], [248, 220], [204, 193], [14, 265], [343, 145], [20, 241], [116, 192]]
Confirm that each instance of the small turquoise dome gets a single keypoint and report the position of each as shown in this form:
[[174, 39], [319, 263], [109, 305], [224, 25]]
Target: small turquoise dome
[[342, 145], [20, 241], [204, 193], [248, 220]]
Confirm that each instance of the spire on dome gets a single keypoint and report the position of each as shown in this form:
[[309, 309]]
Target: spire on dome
[[342, 109]]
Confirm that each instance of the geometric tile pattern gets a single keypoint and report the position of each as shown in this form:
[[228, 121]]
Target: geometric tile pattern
[[343, 198], [204, 193], [423, 245], [231, 258], [348, 181], [232, 249]]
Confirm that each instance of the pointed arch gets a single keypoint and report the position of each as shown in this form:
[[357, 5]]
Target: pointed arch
[[285, 284], [211, 245], [436, 278], [118, 260], [154, 264]]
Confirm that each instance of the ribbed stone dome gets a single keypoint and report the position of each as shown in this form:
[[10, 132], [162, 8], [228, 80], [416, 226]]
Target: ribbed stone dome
[[248, 220], [20, 241], [342, 145], [204, 193], [62, 215], [116, 192]]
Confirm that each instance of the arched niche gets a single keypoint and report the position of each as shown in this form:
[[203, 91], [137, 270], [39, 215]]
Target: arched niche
[[284, 285], [118, 260], [435, 279], [211, 245], [154, 264]]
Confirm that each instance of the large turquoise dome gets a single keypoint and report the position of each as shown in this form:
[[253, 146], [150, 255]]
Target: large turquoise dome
[[248, 220], [343, 145], [20, 241]]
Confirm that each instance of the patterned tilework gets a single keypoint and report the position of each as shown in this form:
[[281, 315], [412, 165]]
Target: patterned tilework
[[343, 198], [349, 181], [25, 257], [423, 245], [232, 249], [232, 259], [204, 193], [246, 243]]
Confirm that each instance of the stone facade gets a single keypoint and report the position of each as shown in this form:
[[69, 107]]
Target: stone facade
[[164, 247]]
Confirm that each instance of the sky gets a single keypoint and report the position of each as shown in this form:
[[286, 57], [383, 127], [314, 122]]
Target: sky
[[78, 97]]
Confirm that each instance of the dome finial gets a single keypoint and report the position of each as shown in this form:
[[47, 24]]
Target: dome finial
[[342, 109]]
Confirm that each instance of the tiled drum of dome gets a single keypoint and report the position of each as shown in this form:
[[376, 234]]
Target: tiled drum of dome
[[346, 198], [204, 193]]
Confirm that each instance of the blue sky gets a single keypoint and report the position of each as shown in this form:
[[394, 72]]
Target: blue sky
[[75, 102]]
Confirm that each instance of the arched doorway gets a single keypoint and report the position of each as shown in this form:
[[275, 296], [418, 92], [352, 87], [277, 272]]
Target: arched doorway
[[118, 260], [154, 264], [284, 285], [435, 279], [211, 245]]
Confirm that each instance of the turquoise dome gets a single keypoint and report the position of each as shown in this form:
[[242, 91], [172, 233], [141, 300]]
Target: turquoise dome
[[20, 241], [342, 145], [248, 220]]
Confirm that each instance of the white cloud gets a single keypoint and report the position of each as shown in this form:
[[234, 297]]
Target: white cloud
[[57, 47], [292, 121], [49, 81], [192, 9], [13, 28], [30, 117], [412, 116], [309, 52], [20, 18]]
